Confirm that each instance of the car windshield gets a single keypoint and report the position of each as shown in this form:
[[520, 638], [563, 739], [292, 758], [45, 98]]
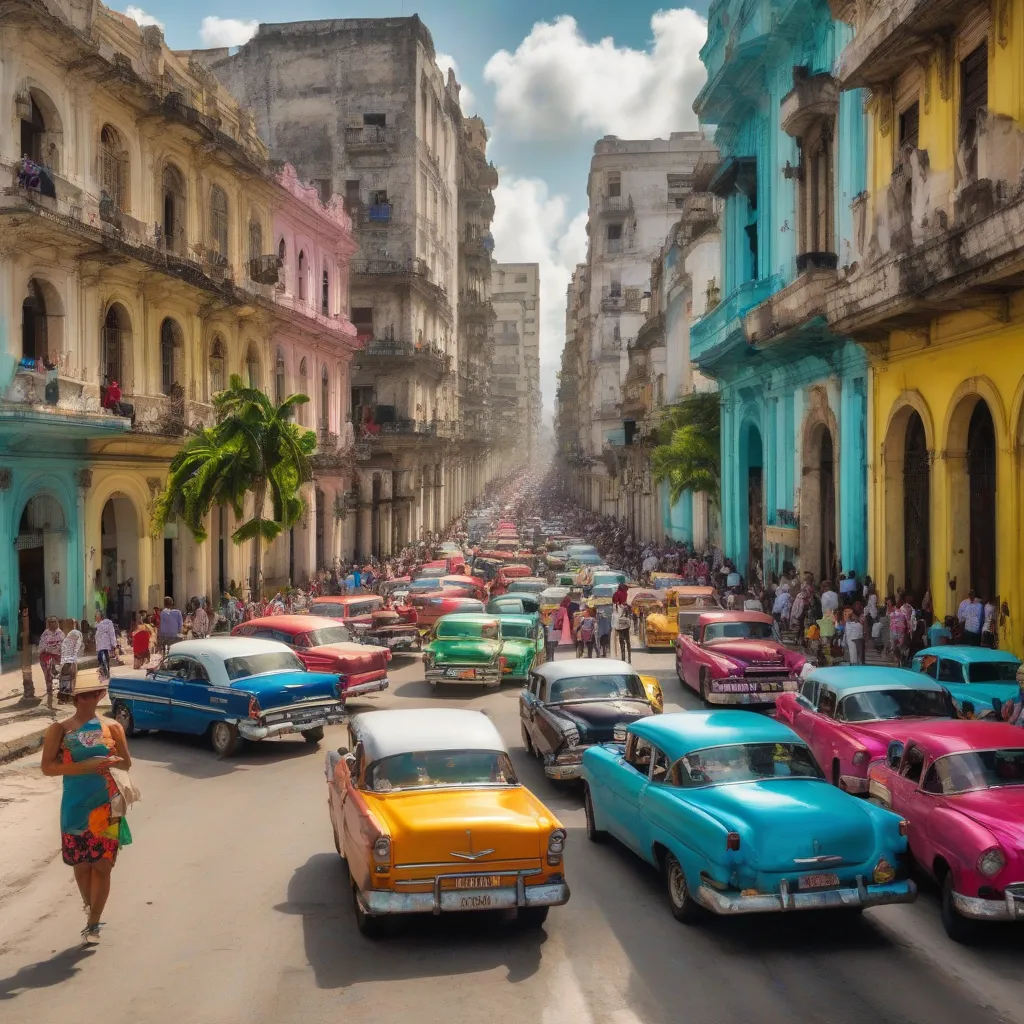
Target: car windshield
[[740, 630], [468, 630], [885, 705], [992, 672], [330, 609], [977, 769], [329, 635], [418, 770], [523, 630], [602, 687], [746, 762], [258, 664]]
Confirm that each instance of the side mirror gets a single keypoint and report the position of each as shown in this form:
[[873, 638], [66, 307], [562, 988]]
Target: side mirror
[[894, 755]]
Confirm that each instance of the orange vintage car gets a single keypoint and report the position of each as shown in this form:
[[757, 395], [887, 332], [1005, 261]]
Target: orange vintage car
[[428, 813]]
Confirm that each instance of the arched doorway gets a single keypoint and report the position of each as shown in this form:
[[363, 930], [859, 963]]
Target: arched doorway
[[981, 474], [115, 343], [752, 495], [320, 528], [916, 508], [119, 566], [42, 546], [827, 553], [42, 321]]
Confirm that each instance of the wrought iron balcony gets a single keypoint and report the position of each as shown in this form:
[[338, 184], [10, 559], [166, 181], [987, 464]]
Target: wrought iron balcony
[[369, 138], [387, 354]]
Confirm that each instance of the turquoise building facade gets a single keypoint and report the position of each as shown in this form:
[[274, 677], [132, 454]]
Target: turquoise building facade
[[793, 395]]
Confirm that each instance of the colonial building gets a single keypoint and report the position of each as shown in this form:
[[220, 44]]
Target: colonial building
[[144, 239], [937, 297], [361, 107], [794, 392]]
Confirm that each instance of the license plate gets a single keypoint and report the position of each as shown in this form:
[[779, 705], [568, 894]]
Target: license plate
[[818, 881], [480, 882], [455, 673]]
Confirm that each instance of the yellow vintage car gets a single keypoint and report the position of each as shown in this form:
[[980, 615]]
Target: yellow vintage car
[[653, 690], [662, 624], [428, 813], [550, 599]]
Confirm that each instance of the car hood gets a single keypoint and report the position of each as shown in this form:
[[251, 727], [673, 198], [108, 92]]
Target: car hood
[[278, 688], [785, 820], [876, 736], [595, 721], [766, 654], [1001, 811], [468, 649]]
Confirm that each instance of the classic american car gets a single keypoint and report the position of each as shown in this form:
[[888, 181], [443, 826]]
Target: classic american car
[[666, 580], [974, 676], [432, 606], [514, 604], [429, 815], [735, 812], [522, 645], [850, 714], [324, 645], [465, 648], [527, 585], [550, 599], [682, 606], [737, 658], [349, 609], [568, 706], [960, 785], [470, 586], [229, 689]]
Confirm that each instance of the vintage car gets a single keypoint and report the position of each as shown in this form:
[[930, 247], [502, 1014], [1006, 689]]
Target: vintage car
[[550, 599], [977, 678], [666, 580], [229, 689], [324, 645], [429, 816], [432, 606], [465, 648], [514, 604], [350, 609], [682, 604], [960, 785], [399, 584], [849, 715], [396, 628], [522, 646], [737, 658], [568, 706], [487, 568], [733, 810], [527, 585], [610, 577], [601, 594], [471, 586]]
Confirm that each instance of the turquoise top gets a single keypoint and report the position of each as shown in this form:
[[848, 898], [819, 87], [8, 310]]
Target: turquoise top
[[83, 794]]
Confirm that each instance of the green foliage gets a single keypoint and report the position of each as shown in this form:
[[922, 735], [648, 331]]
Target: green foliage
[[688, 453]]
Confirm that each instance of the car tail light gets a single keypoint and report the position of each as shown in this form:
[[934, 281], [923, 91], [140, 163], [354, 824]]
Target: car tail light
[[556, 846], [732, 841], [254, 708]]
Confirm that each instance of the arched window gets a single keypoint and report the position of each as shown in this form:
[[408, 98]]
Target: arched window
[[116, 330], [175, 210], [219, 221], [325, 294], [282, 252], [114, 167], [217, 381], [41, 132], [33, 322], [325, 392], [301, 270], [279, 378], [171, 344], [303, 390], [252, 366]]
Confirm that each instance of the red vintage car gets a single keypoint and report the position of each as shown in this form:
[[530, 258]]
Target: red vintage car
[[737, 658], [960, 786], [350, 609], [324, 645], [430, 607], [471, 586]]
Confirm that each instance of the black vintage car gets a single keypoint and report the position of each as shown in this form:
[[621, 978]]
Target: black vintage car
[[568, 706]]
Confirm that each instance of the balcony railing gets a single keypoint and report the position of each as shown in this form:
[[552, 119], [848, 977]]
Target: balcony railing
[[369, 138], [475, 309], [387, 351], [388, 267], [376, 213], [265, 269]]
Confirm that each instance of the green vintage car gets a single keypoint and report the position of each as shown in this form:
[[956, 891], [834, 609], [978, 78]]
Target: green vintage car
[[523, 646], [464, 648], [514, 604]]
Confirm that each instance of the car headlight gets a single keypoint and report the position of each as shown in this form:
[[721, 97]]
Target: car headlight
[[382, 849], [860, 757], [556, 846], [884, 873], [991, 862], [619, 733]]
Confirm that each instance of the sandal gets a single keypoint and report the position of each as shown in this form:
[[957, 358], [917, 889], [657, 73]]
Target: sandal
[[91, 934]]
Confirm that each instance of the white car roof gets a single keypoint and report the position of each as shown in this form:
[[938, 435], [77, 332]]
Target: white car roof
[[227, 647], [386, 733]]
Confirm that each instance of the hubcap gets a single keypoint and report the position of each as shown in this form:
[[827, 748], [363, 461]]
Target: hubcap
[[220, 736], [123, 717], [677, 885]]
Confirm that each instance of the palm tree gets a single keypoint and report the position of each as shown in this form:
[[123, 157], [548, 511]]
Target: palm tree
[[254, 448], [688, 455]]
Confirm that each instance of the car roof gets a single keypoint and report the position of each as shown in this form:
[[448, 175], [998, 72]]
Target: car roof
[[558, 592], [681, 732], [573, 668], [955, 735], [477, 618], [516, 618], [230, 646], [969, 655], [386, 733], [344, 598], [295, 623], [847, 679], [727, 616]]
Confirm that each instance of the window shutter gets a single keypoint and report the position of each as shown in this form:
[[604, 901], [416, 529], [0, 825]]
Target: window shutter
[[973, 87], [910, 126]]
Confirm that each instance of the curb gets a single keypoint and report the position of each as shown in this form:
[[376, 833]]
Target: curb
[[27, 743]]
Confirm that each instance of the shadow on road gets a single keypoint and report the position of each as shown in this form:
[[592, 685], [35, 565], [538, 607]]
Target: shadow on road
[[419, 945], [58, 969]]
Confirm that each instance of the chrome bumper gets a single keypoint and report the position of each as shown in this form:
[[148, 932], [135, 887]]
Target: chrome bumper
[[374, 686], [564, 771], [250, 731], [853, 784], [1009, 908], [747, 698], [828, 899], [379, 902], [482, 677]]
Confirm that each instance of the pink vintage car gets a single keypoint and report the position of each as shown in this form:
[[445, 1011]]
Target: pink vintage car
[[737, 658], [960, 785], [849, 715]]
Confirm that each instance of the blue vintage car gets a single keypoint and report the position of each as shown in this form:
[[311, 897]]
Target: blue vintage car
[[230, 689], [737, 815], [973, 675]]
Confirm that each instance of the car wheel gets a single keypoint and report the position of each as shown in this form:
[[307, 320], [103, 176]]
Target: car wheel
[[531, 917], [124, 718], [224, 738], [684, 908], [705, 687], [527, 742], [594, 834], [368, 925], [959, 929], [314, 736]]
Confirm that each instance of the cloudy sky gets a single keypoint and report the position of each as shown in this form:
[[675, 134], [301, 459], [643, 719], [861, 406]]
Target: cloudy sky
[[549, 77]]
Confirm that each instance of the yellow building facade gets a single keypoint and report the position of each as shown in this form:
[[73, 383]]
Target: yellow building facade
[[938, 298]]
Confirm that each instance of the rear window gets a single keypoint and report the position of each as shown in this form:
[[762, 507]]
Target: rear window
[[329, 635], [522, 630], [330, 609], [258, 664]]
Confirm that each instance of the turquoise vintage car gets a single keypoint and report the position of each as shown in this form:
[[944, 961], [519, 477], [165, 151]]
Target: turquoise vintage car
[[514, 604], [738, 816], [973, 675], [464, 648], [522, 645], [605, 576]]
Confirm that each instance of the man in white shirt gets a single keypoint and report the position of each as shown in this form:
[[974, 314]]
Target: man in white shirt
[[106, 641], [829, 598], [854, 635], [621, 623]]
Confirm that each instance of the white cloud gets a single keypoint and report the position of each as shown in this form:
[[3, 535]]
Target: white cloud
[[137, 14], [466, 98], [226, 31], [533, 226], [558, 82]]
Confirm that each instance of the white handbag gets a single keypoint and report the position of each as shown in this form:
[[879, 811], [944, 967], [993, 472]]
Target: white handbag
[[127, 792]]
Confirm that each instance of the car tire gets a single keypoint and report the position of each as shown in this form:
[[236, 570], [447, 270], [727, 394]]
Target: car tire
[[369, 926], [594, 834], [224, 738], [959, 929], [314, 736], [124, 718], [683, 906], [705, 687], [531, 917]]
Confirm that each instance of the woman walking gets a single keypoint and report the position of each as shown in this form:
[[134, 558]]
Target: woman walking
[[70, 651], [50, 642], [83, 749]]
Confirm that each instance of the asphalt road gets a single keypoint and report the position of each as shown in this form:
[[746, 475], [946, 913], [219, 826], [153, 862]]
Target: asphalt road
[[231, 907]]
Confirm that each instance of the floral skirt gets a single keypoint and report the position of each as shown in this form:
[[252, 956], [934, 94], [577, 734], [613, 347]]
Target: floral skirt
[[101, 841]]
